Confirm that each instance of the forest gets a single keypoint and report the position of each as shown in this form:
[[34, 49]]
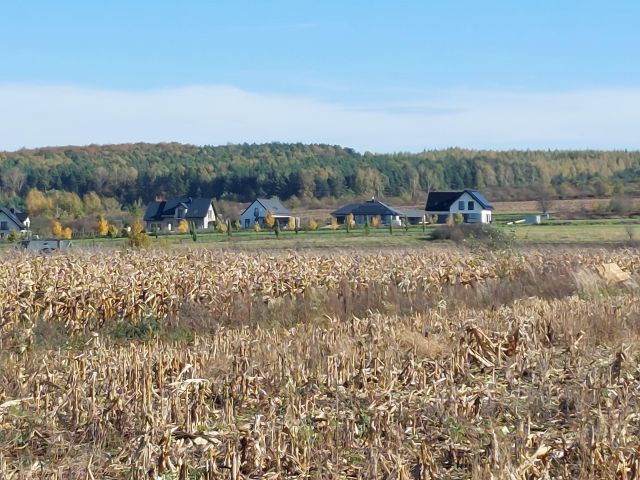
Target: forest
[[105, 177]]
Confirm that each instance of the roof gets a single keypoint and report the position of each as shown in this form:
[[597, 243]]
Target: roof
[[16, 216], [196, 208], [442, 201], [411, 212], [273, 205], [370, 207]]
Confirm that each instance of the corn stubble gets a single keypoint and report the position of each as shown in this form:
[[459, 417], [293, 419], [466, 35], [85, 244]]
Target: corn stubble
[[540, 386]]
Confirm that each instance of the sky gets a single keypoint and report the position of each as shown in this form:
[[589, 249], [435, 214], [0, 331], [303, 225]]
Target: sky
[[376, 76]]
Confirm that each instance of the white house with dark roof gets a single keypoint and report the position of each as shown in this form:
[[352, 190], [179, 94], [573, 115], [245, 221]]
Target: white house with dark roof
[[470, 203], [166, 215], [257, 211], [12, 219]]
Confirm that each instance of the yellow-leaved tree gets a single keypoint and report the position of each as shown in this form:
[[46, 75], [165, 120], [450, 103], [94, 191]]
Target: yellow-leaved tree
[[312, 224], [103, 226], [349, 220], [183, 226], [138, 237], [256, 227], [291, 224], [375, 221], [334, 223], [269, 220], [56, 228], [67, 233]]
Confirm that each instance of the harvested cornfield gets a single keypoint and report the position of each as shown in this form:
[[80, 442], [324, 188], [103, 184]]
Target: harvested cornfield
[[434, 365]]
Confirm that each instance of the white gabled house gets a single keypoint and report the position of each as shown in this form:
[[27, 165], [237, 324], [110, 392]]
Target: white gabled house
[[167, 215], [470, 203], [12, 219], [257, 211]]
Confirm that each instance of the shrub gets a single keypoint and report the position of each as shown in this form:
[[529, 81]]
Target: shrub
[[269, 220], [183, 226], [474, 235], [312, 224], [138, 237], [103, 226]]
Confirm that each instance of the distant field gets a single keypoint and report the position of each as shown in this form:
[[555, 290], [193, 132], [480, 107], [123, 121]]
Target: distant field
[[575, 232], [559, 206]]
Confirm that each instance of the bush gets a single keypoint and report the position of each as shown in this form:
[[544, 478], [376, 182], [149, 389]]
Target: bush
[[474, 235], [138, 237]]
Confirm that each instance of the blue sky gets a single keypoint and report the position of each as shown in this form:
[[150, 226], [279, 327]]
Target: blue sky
[[380, 76]]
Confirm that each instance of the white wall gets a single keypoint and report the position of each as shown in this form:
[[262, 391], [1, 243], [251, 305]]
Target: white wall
[[482, 215], [247, 219]]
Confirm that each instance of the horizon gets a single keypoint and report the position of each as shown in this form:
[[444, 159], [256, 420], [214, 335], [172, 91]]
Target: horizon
[[384, 78], [345, 147]]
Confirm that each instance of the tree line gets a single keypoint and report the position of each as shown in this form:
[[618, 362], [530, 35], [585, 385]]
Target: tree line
[[100, 177]]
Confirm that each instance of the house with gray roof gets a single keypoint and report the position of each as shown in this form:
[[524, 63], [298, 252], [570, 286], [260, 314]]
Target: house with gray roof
[[258, 209], [166, 215], [471, 204], [12, 219], [375, 208]]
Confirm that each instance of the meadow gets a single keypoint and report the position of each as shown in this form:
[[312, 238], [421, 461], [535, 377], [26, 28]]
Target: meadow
[[397, 364]]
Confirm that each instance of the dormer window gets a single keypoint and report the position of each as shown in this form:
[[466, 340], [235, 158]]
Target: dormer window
[[461, 205], [256, 212], [181, 211]]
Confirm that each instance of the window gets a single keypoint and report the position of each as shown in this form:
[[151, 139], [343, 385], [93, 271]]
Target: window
[[4, 226], [256, 212], [461, 205], [471, 206]]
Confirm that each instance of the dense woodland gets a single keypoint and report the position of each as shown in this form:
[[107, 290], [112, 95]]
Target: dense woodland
[[79, 180]]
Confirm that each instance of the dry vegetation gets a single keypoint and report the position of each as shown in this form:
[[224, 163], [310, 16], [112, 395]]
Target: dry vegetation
[[399, 366]]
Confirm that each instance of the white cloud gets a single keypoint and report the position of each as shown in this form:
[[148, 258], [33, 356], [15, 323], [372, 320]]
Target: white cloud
[[32, 116]]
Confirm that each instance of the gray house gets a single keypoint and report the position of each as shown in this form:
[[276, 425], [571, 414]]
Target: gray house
[[257, 211], [375, 208], [167, 215], [12, 219]]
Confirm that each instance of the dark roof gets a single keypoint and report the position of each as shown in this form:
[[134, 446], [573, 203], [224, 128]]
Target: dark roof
[[196, 208], [345, 210], [370, 207], [272, 205], [442, 201], [16, 216]]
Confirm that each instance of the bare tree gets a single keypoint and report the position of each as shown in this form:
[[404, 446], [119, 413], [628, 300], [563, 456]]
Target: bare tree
[[13, 180], [544, 195]]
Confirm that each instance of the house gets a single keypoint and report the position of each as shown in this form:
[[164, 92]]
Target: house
[[257, 211], [166, 215], [375, 208], [470, 203], [413, 216], [12, 219]]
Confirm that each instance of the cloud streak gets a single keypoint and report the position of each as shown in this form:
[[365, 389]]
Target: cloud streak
[[33, 116]]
